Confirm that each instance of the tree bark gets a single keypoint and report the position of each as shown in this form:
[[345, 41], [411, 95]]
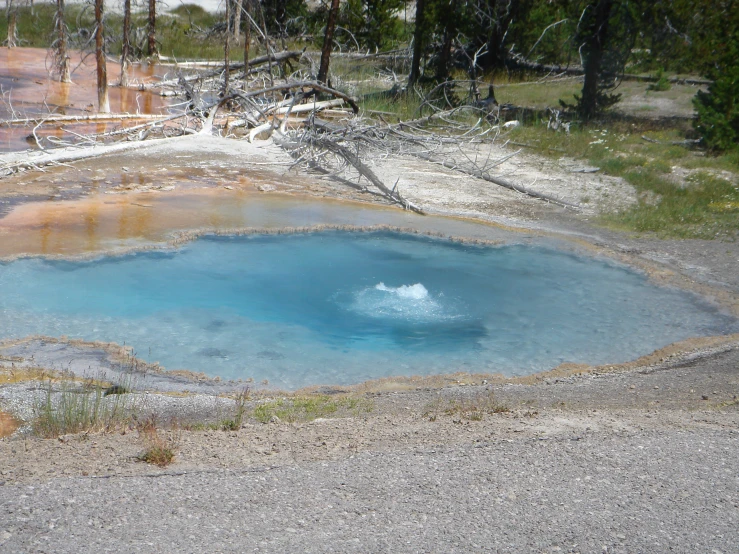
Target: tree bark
[[126, 42], [102, 70], [328, 41], [445, 55], [152, 49], [247, 40], [61, 47], [595, 44], [12, 14], [417, 44], [237, 21], [227, 49], [501, 16]]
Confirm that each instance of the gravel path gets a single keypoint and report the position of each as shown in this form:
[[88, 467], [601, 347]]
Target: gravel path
[[658, 491]]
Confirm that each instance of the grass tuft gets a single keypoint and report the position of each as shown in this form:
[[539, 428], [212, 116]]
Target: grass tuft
[[235, 423], [308, 408], [474, 408], [159, 449], [74, 407]]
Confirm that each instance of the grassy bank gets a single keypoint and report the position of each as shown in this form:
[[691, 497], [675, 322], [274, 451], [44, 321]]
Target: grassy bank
[[683, 191]]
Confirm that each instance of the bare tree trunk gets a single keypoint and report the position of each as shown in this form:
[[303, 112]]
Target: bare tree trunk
[[237, 21], [126, 42], [280, 18], [328, 41], [267, 44], [152, 41], [102, 70], [247, 40], [12, 14], [445, 56], [227, 49], [417, 44], [595, 44], [61, 46]]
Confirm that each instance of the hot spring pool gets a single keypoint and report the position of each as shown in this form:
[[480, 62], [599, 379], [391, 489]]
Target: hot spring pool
[[343, 307]]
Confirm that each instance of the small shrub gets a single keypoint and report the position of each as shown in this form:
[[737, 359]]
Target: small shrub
[[159, 450], [189, 10], [239, 411], [160, 454], [662, 83]]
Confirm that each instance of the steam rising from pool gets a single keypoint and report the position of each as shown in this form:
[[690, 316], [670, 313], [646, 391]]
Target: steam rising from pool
[[342, 307]]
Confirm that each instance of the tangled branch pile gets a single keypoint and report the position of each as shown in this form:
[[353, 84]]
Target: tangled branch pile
[[272, 99]]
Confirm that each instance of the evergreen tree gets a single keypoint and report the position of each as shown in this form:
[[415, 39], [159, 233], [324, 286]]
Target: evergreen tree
[[718, 109]]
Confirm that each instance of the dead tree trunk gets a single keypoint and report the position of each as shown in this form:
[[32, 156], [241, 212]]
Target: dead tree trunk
[[152, 49], [328, 41], [247, 40], [227, 49], [61, 43], [237, 21], [126, 42], [12, 13], [417, 44], [102, 70]]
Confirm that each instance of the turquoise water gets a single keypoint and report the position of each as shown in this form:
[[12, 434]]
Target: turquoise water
[[341, 307]]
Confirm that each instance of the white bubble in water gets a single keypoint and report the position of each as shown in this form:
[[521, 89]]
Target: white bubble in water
[[415, 292], [410, 303]]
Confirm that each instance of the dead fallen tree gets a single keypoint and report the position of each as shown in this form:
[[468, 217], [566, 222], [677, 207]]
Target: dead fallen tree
[[306, 88], [37, 160], [311, 147], [254, 64], [335, 148], [100, 117], [486, 176], [429, 138]]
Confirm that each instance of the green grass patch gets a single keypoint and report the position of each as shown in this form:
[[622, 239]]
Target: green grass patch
[[701, 206], [74, 407], [308, 408], [707, 207]]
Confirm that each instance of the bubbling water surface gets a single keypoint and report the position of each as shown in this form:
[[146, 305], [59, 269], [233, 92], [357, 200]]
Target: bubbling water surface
[[343, 307]]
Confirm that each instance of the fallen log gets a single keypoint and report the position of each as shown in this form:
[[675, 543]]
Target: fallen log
[[314, 85], [485, 176], [34, 160], [350, 157], [82, 118], [261, 60]]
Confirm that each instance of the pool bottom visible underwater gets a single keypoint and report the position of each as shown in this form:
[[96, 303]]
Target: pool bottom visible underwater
[[344, 307]]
